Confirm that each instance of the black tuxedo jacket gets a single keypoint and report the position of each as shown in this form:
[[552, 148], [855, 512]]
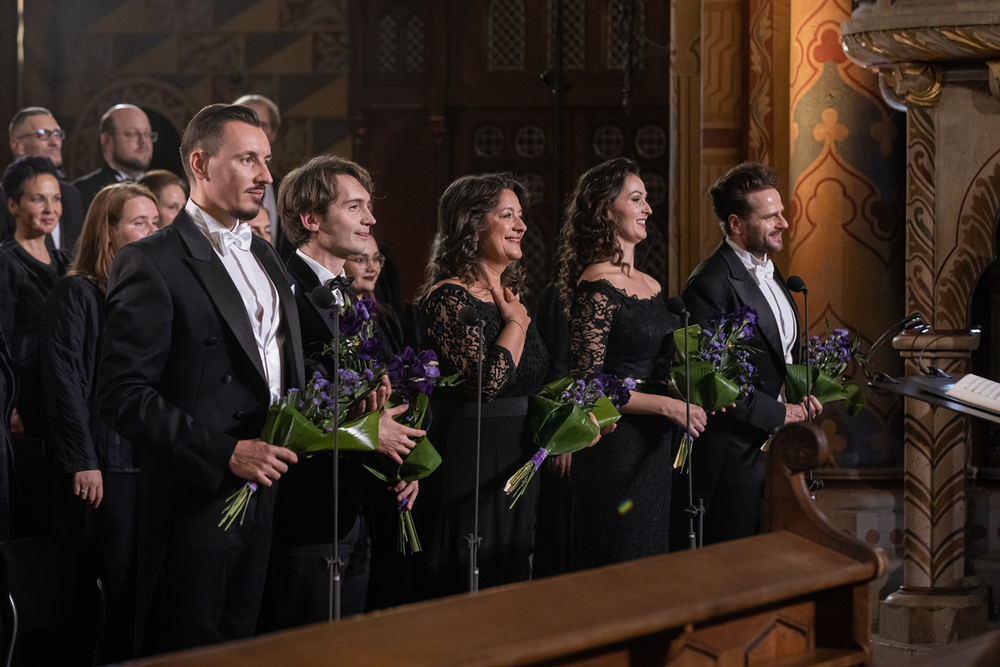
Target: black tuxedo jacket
[[721, 284], [304, 509], [181, 377], [70, 222], [727, 466], [90, 184]]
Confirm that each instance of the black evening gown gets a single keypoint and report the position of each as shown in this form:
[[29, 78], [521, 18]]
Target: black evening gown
[[445, 505], [622, 484]]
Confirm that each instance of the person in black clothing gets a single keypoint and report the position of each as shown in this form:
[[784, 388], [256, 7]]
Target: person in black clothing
[[8, 394], [126, 146], [325, 213], [620, 325], [95, 464], [729, 467], [28, 272], [34, 132]]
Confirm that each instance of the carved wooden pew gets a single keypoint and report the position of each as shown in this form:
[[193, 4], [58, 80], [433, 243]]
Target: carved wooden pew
[[797, 595]]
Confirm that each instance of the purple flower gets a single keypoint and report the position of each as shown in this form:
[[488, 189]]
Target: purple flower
[[619, 392], [369, 348], [350, 323], [413, 373]]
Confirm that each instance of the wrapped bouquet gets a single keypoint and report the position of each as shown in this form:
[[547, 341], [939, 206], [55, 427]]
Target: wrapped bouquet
[[560, 423], [825, 375], [721, 371]]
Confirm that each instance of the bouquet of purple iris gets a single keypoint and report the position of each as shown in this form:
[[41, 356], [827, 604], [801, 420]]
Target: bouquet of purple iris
[[560, 420], [721, 371], [413, 376], [825, 377], [304, 420]]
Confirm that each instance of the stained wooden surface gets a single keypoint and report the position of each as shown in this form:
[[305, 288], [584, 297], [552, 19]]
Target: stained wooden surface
[[526, 623]]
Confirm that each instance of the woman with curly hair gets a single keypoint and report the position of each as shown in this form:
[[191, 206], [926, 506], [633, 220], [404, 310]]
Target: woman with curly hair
[[620, 325], [475, 263]]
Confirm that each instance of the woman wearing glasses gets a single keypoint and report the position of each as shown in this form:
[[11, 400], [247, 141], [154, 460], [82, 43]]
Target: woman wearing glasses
[[365, 269]]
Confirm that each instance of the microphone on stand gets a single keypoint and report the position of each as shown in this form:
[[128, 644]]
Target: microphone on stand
[[796, 284], [470, 317], [676, 306], [323, 297], [913, 321]]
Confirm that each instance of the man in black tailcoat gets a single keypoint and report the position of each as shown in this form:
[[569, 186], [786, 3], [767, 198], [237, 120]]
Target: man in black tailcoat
[[202, 336], [325, 208], [727, 463]]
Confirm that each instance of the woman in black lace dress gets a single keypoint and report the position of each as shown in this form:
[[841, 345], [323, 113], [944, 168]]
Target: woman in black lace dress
[[475, 264], [620, 325]]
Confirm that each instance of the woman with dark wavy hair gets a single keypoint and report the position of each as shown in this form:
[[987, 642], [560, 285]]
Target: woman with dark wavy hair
[[620, 325], [475, 263]]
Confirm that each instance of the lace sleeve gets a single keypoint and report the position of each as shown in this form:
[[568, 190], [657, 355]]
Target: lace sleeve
[[591, 315], [458, 344]]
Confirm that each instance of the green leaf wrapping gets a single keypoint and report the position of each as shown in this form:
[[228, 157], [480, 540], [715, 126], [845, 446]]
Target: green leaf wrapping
[[566, 428], [287, 427], [824, 388], [422, 460], [709, 389], [686, 341]]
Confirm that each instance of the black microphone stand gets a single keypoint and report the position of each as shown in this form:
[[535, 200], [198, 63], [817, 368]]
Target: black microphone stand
[[692, 511], [469, 316], [800, 286], [324, 298]]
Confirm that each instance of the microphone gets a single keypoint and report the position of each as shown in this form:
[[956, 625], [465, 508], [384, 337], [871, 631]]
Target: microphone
[[676, 305], [469, 316], [323, 297], [796, 284]]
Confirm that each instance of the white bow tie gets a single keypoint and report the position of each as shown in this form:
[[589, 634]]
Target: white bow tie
[[763, 271], [239, 239]]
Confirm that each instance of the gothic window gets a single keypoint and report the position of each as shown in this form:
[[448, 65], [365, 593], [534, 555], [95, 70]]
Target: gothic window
[[487, 141], [529, 141], [609, 141], [625, 18], [574, 54], [506, 35], [413, 44], [385, 50]]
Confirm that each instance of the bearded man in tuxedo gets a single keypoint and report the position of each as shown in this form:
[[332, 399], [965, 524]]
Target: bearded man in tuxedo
[[728, 466], [202, 336]]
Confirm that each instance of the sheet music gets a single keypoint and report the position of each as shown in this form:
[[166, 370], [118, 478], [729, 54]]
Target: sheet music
[[977, 391]]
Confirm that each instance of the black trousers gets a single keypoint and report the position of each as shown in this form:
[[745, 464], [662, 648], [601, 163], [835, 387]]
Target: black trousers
[[212, 580], [299, 580]]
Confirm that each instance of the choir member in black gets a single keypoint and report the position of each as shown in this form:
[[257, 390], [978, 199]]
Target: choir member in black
[[620, 325], [8, 391], [475, 264], [365, 268], [28, 272], [95, 464]]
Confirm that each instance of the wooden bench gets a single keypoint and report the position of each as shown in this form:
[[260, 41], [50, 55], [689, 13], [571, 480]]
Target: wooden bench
[[797, 595]]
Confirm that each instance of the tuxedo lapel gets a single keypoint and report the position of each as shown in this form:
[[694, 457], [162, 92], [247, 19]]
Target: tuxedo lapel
[[289, 312], [219, 286], [749, 294], [308, 281]]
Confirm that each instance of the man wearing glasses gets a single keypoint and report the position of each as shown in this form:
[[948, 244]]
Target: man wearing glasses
[[127, 146], [34, 132]]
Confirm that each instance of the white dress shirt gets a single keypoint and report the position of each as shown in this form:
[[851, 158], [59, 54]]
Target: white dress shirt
[[260, 298], [762, 273], [324, 274]]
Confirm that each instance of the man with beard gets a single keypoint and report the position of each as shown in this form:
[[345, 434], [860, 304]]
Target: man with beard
[[35, 133], [202, 336], [127, 147], [727, 464]]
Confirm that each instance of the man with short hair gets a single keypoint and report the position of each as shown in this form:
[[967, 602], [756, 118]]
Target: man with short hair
[[727, 464], [126, 146], [270, 121], [325, 209], [34, 132], [202, 336]]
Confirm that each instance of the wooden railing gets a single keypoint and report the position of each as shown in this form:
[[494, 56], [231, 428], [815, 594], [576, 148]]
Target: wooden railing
[[797, 595]]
